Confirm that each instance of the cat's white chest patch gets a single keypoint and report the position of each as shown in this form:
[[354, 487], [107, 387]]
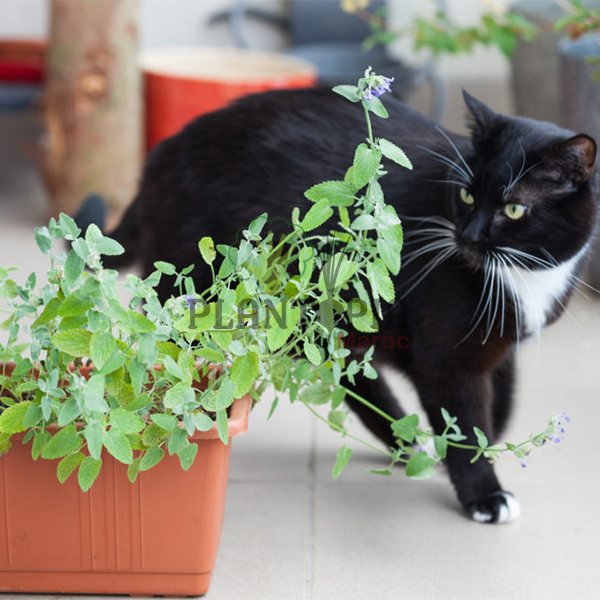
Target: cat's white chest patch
[[537, 291]]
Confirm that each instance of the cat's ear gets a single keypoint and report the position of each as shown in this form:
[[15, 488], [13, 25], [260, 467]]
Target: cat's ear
[[576, 157], [484, 118]]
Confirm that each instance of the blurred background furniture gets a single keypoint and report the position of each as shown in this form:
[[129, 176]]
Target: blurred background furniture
[[322, 33]]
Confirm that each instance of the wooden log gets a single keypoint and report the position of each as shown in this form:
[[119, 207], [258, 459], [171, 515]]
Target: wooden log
[[92, 105]]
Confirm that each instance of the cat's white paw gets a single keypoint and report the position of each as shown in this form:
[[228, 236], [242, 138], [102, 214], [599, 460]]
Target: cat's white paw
[[498, 507]]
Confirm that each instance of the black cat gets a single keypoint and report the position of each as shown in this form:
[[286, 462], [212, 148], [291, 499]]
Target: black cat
[[497, 228]]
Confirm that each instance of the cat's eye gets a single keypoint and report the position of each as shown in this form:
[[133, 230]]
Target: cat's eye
[[466, 197], [515, 211]]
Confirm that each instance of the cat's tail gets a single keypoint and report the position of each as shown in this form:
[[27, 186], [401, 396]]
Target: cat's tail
[[93, 211]]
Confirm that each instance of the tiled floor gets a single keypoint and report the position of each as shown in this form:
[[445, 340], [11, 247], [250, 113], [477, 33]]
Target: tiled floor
[[292, 533]]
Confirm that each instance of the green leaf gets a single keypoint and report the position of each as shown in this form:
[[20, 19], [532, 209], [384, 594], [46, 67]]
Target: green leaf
[[67, 465], [277, 335], [116, 442], [11, 419], [203, 422], [349, 92], [63, 442], [39, 441], [244, 372], [361, 317], [178, 394], [481, 437], [102, 346], [137, 323], [376, 106], [127, 422], [151, 458], [441, 446], [49, 313], [334, 193], [75, 342], [67, 413], [341, 460], [153, 435], [74, 266], [420, 466], [223, 426], [207, 250], [93, 433], [406, 428], [312, 353], [74, 305], [394, 153], [165, 267], [94, 394], [364, 223], [187, 455], [32, 416], [316, 216], [210, 355], [337, 419], [384, 472], [177, 440], [133, 469], [317, 393], [365, 164], [108, 246], [389, 252], [225, 393], [68, 227], [380, 279], [167, 422], [88, 471], [43, 239]]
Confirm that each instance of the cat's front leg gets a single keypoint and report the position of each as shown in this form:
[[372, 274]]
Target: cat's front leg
[[468, 397]]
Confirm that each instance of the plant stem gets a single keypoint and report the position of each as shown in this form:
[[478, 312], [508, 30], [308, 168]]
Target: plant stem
[[368, 404], [345, 432]]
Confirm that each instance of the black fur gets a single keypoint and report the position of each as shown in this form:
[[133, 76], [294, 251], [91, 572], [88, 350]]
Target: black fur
[[260, 155]]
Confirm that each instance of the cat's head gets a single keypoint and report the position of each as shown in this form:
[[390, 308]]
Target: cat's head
[[528, 186]]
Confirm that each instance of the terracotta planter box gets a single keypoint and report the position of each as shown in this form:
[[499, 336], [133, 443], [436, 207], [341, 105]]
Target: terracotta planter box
[[157, 536]]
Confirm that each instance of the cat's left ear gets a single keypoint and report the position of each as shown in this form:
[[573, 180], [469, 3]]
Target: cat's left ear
[[484, 118], [576, 156]]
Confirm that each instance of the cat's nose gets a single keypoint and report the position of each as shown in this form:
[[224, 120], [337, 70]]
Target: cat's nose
[[473, 234]]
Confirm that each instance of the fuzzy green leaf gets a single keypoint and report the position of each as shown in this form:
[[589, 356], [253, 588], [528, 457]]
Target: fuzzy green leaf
[[88, 472], [207, 250], [380, 279], [67, 465], [63, 442], [244, 372], [406, 428], [203, 422], [281, 326], [312, 353], [420, 466], [350, 92], [187, 455], [11, 419], [223, 426], [341, 460], [126, 421], [316, 216], [116, 442], [75, 342], [394, 153], [333, 193], [151, 458], [102, 346], [366, 161]]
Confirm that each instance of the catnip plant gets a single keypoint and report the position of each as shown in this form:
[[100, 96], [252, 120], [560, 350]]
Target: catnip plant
[[276, 314]]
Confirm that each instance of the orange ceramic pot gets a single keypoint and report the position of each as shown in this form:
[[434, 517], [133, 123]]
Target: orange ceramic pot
[[182, 83], [158, 536]]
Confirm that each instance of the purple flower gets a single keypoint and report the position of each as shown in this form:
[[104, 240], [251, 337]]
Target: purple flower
[[523, 463], [190, 300], [376, 86]]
